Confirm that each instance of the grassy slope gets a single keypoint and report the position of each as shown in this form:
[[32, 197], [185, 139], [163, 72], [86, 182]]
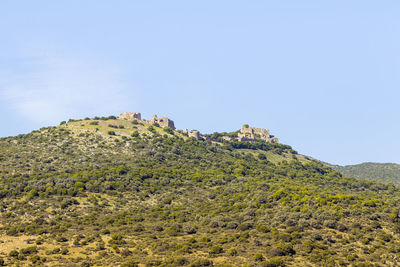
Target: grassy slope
[[81, 196]]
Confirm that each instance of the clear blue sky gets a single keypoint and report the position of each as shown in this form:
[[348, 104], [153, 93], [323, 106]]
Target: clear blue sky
[[322, 75]]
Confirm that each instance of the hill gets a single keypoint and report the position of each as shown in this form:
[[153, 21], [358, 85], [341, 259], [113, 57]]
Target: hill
[[129, 192], [381, 172]]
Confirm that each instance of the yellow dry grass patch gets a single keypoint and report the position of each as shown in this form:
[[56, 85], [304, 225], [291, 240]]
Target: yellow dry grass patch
[[9, 243]]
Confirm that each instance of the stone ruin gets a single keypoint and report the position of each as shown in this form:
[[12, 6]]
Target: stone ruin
[[163, 122], [251, 134], [130, 116], [193, 133], [246, 134]]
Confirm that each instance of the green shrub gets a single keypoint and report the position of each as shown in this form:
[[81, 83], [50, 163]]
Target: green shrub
[[202, 263], [258, 257], [180, 261], [261, 156], [275, 262], [13, 253], [28, 250], [130, 263], [215, 250], [281, 249], [64, 251]]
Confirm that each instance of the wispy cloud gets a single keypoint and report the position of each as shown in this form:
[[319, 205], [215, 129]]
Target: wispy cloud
[[51, 88]]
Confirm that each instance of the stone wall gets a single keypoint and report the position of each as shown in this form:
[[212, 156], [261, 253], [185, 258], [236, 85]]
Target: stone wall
[[254, 131], [193, 133], [251, 134], [163, 122], [130, 116]]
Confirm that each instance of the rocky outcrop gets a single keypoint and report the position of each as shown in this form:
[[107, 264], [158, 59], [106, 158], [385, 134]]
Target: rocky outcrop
[[130, 116], [163, 122]]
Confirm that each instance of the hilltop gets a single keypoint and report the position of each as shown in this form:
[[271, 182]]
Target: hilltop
[[111, 191]]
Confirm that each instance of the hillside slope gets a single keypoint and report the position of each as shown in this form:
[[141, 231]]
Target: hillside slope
[[381, 172], [111, 192]]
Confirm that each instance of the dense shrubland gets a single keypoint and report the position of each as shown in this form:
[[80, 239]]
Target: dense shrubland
[[146, 195]]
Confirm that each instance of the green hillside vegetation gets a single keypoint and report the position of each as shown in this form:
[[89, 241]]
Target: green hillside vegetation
[[108, 192], [381, 172]]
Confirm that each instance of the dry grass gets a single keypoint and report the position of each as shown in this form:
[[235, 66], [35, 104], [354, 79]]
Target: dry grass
[[9, 243]]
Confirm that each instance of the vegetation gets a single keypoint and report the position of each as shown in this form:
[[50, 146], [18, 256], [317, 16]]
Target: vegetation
[[77, 195], [381, 172]]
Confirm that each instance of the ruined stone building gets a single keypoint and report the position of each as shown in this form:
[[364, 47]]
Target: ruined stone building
[[193, 133], [163, 122], [251, 134], [130, 116]]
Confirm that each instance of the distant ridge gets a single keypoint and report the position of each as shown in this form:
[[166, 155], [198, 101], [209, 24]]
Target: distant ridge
[[381, 172]]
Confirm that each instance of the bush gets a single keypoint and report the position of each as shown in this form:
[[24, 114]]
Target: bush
[[181, 261], [202, 263], [151, 129], [189, 229], [35, 259], [125, 252], [13, 253], [215, 250], [117, 240], [245, 226], [308, 246], [261, 156], [94, 123], [232, 252], [385, 237], [64, 251], [275, 262], [111, 133], [232, 225], [168, 130], [258, 257], [130, 264], [281, 249], [263, 228], [100, 246], [61, 239], [28, 250]]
